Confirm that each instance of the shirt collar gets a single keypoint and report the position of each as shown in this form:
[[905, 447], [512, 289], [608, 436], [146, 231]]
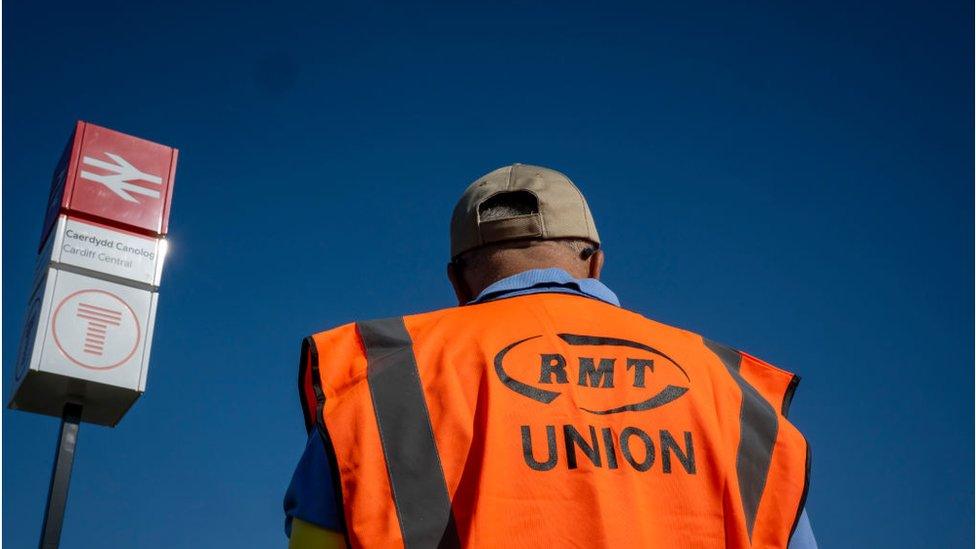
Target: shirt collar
[[537, 281]]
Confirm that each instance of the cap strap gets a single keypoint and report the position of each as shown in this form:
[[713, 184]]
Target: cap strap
[[523, 226]]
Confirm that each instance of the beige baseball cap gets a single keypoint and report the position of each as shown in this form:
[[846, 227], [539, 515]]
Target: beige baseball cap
[[561, 211]]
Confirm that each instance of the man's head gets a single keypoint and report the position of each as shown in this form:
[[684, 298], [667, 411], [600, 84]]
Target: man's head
[[517, 218]]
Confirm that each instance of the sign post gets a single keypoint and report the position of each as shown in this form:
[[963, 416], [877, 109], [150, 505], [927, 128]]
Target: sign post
[[57, 492], [84, 351]]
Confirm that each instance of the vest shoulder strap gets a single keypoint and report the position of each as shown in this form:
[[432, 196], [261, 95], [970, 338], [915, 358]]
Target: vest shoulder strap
[[766, 395]]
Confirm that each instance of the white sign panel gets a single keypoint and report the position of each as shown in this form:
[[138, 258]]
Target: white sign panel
[[26, 348], [90, 329], [98, 248]]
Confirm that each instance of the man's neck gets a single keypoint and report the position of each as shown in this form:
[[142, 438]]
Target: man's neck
[[504, 271]]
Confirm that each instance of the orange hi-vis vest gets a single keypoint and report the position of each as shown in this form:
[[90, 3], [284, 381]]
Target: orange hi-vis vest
[[553, 420]]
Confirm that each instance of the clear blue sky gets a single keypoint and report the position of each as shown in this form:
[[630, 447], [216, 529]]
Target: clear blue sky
[[794, 180]]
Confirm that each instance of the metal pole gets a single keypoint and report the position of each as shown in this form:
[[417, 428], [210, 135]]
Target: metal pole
[[57, 493]]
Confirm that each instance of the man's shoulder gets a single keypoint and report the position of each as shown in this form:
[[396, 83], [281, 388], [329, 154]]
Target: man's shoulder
[[350, 329], [484, 314], [330, 335]]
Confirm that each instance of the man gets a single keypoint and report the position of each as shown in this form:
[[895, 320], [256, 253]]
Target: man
[[539, 413]]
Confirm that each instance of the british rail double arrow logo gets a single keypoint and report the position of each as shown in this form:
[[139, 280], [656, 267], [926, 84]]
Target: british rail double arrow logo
[[120, 180]]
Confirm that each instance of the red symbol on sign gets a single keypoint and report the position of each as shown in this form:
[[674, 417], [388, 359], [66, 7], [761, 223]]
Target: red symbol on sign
[[97, 329], [99, 319]]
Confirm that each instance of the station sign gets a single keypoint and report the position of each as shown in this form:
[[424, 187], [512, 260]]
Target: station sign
[[84, 350], [107, 252], [91, 315], [112, 178], [84, 339]]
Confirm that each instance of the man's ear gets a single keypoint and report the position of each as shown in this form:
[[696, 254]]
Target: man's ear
[[461, 290], [596, 264]]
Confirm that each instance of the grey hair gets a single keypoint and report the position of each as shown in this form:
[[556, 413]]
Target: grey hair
[[505, 206], [516, 203]]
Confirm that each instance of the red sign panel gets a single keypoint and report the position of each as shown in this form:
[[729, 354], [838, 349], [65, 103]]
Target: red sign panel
[[114, 178]]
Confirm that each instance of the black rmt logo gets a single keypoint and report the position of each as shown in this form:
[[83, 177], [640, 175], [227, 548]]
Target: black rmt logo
[[553, 370], [593, 372]]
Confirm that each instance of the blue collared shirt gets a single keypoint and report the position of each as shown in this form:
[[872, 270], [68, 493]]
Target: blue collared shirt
[[312, 495], [538, 281]]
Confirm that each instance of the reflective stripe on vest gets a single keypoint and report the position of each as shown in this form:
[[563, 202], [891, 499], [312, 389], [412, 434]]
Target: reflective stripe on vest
[[758, 426], [416, 476]]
